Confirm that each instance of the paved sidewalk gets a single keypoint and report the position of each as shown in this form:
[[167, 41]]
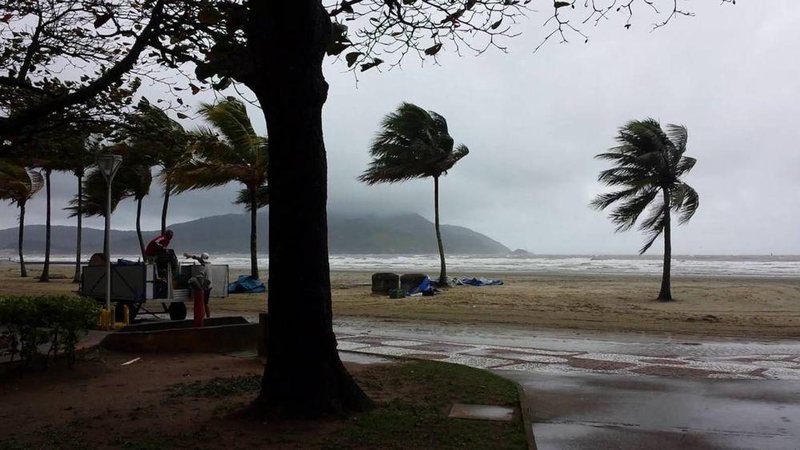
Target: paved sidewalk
[[690, 363], [586, 391]]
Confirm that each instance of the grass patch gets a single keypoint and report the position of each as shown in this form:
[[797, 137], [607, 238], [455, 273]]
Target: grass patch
[[216, 387], [414, 399]]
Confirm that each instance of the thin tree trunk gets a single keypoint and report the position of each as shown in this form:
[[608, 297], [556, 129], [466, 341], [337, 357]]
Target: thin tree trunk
[[164, 208], [78, 241], [46, 267], [303, 375], [139, 224], [443, 266], [23, 272], [666, 293], [253, 235]]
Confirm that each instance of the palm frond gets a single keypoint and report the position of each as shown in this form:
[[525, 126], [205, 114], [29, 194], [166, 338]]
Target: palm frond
[[684, 201], [653, 226], [412, 143], [628, 211], [230, 118], [18, 184], [244, 197], [646, 162], [229, 150], [679, 136]]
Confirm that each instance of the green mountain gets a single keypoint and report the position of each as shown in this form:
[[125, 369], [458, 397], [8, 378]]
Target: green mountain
[[407, 234]]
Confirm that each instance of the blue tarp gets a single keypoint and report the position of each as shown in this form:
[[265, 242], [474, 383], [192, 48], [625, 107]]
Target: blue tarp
[[424, 286], [246, 285], [478, 282]]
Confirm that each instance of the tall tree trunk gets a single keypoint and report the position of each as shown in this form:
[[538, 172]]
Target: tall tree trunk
[[253, 234], [23, 272], [165, 207], [666, 293], [46, 267], [303, 376], [78, 240], [139, 224], [443, 265]]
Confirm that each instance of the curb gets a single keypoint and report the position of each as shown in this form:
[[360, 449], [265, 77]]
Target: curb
[[527, 416]]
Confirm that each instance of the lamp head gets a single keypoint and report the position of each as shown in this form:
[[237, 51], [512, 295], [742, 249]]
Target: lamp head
[[108, 164]]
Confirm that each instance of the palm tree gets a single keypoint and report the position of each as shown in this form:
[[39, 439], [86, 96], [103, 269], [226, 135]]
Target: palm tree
[[52, 151], [239, 154], [649, 163], [152, 128], [18, 185], [80, 158], [414, 143]]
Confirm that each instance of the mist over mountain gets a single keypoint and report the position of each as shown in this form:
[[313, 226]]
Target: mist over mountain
[[348, 234]]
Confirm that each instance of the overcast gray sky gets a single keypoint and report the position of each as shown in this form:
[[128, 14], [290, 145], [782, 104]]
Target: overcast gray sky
[[533, 122]]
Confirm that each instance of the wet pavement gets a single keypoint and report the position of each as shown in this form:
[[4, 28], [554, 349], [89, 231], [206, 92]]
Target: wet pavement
[[628, 391], [564, 352], [591, 411]]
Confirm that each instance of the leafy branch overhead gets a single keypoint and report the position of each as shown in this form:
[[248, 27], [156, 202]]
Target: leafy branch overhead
[[116, 45]]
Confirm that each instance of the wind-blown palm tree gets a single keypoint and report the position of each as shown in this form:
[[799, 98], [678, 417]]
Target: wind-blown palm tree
[[414, 143], [649, 164], [18, 185], [80, 157], [238, 154], [152, 128]]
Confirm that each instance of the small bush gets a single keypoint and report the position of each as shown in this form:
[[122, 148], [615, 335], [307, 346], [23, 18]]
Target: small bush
[[52, 323]]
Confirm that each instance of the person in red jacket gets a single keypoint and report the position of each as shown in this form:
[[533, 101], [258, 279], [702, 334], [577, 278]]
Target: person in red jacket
[[158, 244], [158, 253]]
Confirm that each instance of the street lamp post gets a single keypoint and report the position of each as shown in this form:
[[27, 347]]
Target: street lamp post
[[108, 164]]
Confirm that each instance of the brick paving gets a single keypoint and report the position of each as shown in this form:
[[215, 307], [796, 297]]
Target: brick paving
[[531, 359]]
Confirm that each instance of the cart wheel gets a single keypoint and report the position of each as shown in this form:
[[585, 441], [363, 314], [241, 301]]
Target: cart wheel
[[177, 311]]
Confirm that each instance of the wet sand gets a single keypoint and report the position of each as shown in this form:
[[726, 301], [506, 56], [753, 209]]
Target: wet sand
[[726, 307]]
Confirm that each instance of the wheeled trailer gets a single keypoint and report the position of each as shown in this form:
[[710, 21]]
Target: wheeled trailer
[[136, 285]]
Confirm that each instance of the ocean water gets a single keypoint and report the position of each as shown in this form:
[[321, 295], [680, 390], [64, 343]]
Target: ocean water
[[783, 266]]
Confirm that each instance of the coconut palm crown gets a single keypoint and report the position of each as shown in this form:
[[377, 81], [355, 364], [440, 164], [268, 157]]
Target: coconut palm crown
[[229, 151], [648, 165], [18, 185], [414, 143]]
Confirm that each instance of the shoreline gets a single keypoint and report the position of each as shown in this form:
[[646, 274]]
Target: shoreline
[[477, 272]]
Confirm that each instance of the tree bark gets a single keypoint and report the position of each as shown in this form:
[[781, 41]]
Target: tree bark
[[443, 266], [304, 376], [665, 295], [165, 207], [23, 272], [139, 224], [253, 234], [46, 267], [77, 277]]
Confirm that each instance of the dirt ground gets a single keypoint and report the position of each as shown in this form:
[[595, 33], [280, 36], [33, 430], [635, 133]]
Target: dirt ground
[[739, 307], [196, 401]]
